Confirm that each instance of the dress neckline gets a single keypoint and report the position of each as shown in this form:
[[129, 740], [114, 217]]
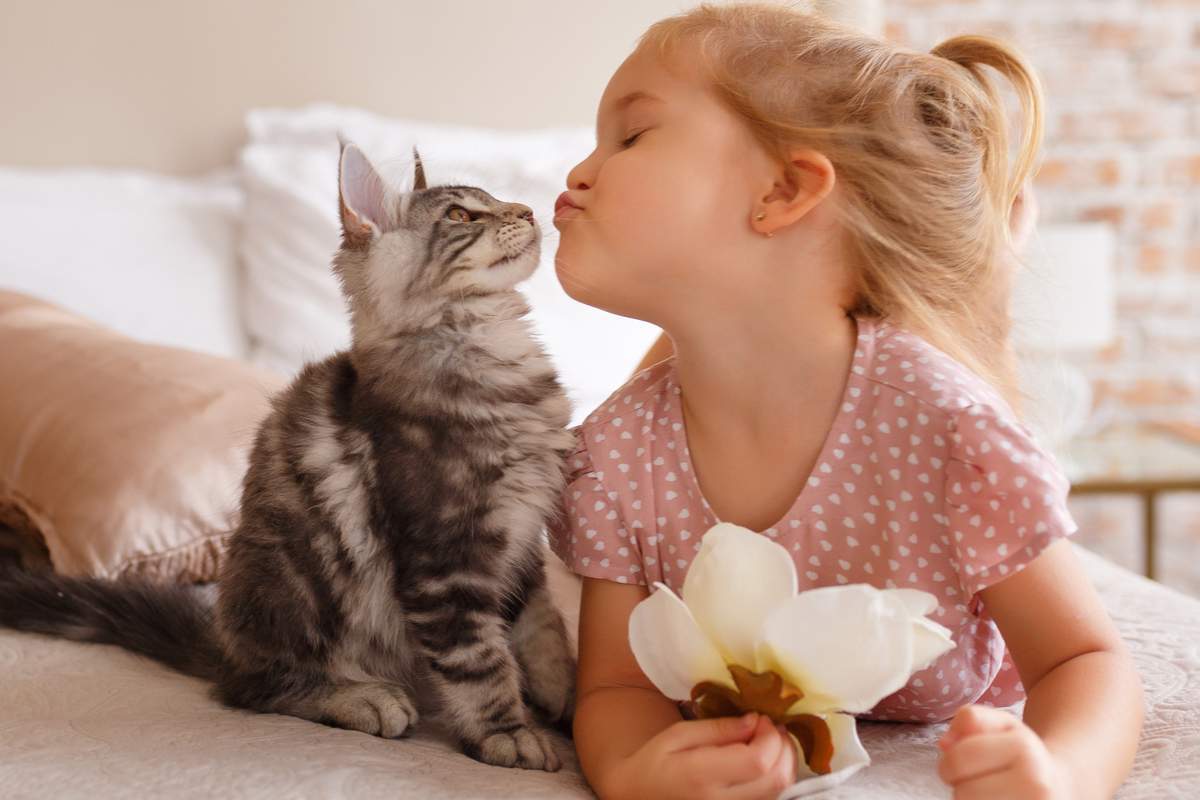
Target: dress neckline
[[865, 326]]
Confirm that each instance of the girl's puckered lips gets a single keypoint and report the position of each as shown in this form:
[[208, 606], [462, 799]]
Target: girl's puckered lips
[[564, 201]]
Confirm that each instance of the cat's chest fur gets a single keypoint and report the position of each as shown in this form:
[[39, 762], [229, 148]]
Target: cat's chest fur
[[475, 449], [479, 486]]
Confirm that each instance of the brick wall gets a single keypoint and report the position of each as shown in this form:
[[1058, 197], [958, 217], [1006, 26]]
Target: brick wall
[[1122, 81]]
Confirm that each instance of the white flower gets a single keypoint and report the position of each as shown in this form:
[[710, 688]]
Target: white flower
[[743, 638]]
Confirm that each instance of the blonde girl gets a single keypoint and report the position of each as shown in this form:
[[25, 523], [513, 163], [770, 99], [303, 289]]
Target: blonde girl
[[819, 221]]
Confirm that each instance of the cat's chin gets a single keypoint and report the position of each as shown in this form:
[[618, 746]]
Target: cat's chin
[[529, 251], [519, 267]]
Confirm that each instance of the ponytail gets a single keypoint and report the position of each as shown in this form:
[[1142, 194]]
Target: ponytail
[[972, 52]]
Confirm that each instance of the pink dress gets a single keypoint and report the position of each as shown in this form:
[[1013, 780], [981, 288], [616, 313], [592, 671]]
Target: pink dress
[[926, 480]]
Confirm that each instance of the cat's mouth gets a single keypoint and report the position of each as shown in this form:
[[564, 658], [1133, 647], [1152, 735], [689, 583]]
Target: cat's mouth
[[533, 243]]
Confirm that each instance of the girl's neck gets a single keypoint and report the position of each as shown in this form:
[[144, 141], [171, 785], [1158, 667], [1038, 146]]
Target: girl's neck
[[748, 379]]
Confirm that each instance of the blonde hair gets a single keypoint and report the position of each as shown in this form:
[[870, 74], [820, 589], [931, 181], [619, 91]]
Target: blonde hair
[[920, 146]]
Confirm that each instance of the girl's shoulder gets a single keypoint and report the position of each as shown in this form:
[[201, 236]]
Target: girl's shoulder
[[633, 408], [917, 389], [608, 504], [903, 363], [914, 397]]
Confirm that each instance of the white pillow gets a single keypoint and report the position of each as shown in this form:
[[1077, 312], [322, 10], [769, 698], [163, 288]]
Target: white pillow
[[153, 256], [293, 308]]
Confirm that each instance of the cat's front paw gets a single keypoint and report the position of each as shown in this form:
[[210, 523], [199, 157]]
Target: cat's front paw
[[379, 709], [525, 747]]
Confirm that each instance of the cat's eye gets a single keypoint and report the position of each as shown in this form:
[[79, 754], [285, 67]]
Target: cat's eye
[[458, 214]]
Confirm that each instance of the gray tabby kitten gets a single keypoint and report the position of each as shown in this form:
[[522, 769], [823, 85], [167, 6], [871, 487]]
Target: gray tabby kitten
[[389, 557]]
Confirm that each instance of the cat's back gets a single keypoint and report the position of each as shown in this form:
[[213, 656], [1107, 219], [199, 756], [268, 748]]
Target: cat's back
[[303, 525], [308, 418]]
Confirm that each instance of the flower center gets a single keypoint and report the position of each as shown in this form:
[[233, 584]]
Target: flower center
[[769, 694]]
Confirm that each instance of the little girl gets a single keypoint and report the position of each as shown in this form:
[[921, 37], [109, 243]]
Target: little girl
[[819, 222]]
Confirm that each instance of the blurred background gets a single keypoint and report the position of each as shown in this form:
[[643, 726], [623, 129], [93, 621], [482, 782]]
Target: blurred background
[[127, 101]]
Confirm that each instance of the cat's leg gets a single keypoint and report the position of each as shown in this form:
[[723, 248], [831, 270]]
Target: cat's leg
[[539, 640], [377, 708], [461, 634]]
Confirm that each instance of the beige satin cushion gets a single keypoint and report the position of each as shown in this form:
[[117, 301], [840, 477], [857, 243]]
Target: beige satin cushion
[[118, 456]]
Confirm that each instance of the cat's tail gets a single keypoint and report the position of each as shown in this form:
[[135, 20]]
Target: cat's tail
[[169, 623]]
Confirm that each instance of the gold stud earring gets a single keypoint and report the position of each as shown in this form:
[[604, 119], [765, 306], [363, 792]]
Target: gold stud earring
[[760, 216]]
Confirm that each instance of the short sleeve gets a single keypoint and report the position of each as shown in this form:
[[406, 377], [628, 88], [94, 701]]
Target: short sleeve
[[589, 534], [1006, 498]]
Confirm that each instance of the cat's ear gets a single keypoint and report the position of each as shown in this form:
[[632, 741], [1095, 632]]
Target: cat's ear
[[418, 171], [364, 203]]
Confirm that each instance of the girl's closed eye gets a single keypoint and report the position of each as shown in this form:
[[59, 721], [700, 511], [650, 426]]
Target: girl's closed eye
[[630, 140]]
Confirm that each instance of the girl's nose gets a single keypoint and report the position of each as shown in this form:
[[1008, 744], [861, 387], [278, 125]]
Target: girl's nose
[[577, 177]]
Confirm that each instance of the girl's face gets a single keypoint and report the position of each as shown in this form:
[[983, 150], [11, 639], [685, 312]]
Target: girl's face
[[665, 198]]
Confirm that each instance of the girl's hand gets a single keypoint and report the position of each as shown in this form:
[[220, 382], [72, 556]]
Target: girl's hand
[[988, 753], [730, 758]]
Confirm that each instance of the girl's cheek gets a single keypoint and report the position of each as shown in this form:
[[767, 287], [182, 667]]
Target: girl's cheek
[[633, 205], [653, 192], [647, 205]]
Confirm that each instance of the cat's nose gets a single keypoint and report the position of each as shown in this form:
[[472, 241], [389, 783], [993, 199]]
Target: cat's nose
[[524, 212]]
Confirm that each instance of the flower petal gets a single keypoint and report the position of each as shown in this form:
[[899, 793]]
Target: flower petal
[[849, 757], [930, 642], [736, 580], [917, 602], [670, 647], [846, 647]]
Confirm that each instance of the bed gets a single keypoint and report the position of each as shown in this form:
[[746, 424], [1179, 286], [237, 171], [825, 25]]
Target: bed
[[87, 721]]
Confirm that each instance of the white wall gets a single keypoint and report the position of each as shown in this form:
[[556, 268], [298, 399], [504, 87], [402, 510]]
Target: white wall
[[163, 84]]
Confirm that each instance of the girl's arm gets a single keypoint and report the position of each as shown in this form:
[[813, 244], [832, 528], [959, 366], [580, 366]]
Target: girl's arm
[[617, 709], [632, 742], [1084, 696]]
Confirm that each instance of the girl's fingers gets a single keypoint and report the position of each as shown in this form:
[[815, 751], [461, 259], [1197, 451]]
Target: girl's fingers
[[993, 786], [781, 774], [709, 732], [981, 755], [737, 763], [786, 766], [974, 719]]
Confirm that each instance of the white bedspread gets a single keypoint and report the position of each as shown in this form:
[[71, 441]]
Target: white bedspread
[[92, 721]]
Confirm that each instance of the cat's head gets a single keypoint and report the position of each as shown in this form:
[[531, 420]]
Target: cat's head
[[429, 245]]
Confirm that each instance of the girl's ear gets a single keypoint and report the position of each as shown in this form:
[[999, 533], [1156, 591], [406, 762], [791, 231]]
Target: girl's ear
[[806, 180], [363, 199]]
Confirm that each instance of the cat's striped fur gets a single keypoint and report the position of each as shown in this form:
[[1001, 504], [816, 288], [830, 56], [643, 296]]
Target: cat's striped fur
[[389, 557]]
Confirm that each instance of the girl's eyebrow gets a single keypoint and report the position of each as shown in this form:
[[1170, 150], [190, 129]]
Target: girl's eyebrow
[[629, 99], [637, 94]]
